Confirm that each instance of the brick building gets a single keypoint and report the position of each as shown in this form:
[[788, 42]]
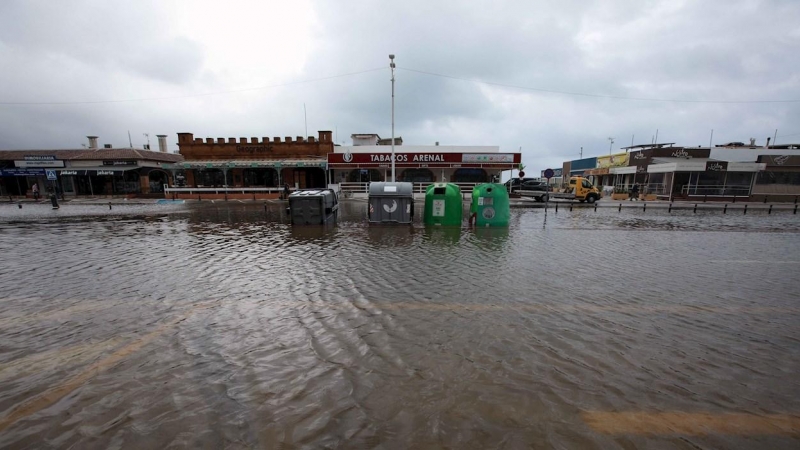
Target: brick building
[[254, 162]]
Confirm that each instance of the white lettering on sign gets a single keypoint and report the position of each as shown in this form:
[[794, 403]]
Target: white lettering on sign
[[715, 167], [639, 155], [388, 158], [428, 158], [438, 208], [680, 153]]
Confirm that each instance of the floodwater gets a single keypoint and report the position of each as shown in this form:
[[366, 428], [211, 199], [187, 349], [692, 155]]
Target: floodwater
[[221, 326]]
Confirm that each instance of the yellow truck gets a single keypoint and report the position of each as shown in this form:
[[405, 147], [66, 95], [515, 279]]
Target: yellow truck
[[579, 188]]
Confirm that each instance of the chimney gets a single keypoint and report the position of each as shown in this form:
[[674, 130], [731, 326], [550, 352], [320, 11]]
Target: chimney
[[768, 139], [162, 143], [92, 141], [437, 143]]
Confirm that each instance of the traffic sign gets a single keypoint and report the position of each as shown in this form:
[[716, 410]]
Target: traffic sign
[[51, 175], [548, 173], [521, 174]]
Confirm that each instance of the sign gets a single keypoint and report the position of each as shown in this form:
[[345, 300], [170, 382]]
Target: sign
[[119, 163], [39, 158], [780, 160], [521, 174], [252, 149], [549, 173], [616, 160], [490, 158], [21, 172], [39, 163], [51, 175], [716, 166], [438, 208], [556, 172], [417, 159], [70, 172]]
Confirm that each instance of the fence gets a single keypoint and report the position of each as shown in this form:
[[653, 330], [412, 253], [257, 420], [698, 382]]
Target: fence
[[718, 190]]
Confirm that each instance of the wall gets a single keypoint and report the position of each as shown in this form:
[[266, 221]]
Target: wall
[[254, 148]]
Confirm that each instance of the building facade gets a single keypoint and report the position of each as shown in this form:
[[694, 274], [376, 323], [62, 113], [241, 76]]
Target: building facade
[[90, 171], [253, 162]]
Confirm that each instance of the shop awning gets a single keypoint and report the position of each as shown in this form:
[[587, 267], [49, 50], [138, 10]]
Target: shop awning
[[629, 170], [248, 164], [95, 171]]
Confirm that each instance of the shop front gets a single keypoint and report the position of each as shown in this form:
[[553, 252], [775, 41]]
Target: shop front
[[421, 167]]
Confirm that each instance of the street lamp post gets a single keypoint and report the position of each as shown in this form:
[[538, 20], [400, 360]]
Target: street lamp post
[[611, 140], [391, 65]]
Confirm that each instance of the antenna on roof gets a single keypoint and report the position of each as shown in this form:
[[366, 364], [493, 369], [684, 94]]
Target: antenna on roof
[[130, 142]]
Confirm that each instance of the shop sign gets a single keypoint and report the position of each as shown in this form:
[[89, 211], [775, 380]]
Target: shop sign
[[106, 172], [716, 166], [780, 160], [617, 160], [39, 158], [71, 172], [420, 158], [21, 172], [39, 163], [119, 163]]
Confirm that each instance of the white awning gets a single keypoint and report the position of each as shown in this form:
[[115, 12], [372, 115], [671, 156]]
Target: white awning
[[746, 167], [628, 170]]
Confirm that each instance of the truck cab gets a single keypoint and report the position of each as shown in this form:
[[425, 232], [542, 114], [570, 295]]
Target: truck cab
[[583, 190]]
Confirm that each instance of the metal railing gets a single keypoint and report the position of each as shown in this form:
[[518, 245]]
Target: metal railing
[[221, 190], [717, 190], [418, 188]]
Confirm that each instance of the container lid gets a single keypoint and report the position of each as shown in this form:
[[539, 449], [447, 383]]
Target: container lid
[[387, 189]]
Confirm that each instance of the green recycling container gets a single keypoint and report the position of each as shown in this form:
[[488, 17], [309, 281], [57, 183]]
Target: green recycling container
[[490, 206], [443, 205]]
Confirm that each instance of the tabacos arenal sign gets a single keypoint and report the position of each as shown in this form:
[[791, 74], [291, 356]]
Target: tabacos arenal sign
[[423, 158]]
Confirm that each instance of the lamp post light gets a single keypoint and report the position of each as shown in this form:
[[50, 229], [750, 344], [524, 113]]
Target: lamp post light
[[391, 65], [611, 140]]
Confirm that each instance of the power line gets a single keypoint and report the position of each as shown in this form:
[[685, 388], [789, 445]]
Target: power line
[[271, 86], [583, 94]]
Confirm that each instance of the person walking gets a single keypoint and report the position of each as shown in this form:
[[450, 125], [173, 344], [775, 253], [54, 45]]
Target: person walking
[[634, 192], [35, 190], [286, 191]]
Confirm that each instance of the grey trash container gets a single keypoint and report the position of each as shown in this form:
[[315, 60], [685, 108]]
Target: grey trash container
[[391, 202], [313, 206]]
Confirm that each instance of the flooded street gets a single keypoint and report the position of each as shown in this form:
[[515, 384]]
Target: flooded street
[[220, 326]]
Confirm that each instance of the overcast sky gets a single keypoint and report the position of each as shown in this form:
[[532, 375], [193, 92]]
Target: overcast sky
[[518, 74]]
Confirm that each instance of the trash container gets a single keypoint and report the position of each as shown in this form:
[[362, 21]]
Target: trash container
[[391, 203], [490, 206], [443, 205], [313, 206]]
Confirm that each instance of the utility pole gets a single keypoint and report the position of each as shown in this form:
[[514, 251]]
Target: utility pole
[[391, 65]]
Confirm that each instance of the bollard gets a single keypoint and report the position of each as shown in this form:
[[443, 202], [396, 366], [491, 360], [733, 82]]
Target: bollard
[[570, 206], [705, 197], [173, 196], [725, 209], [595, 207], [254, 196], [109, 206], [670, 208], [19, 205], [745, 209], [265, 206], [226, 196], [770, 210], [765, 199], [795, 209], [198, 197], [644, 207], [795, 199], [620, 208], [54, 201], [734, 199], [556, 206], [695, 207]]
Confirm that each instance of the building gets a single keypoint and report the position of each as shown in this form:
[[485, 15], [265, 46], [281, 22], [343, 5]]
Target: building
[[370, 159], [722, 172], [253, 162], [90, 171]]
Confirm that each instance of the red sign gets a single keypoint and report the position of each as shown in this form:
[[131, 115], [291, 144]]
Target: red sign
[[403, 159]]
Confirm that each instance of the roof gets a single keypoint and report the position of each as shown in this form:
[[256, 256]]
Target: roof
[[645, 146], [94, 153], [364, 135]]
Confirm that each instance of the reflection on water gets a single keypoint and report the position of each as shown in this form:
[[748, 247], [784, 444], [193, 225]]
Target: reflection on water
[[220, 325]]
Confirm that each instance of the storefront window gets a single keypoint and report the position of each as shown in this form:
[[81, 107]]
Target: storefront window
[[769, 177], [260, 177], [470, 176], [417, 176], [209, 178]]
